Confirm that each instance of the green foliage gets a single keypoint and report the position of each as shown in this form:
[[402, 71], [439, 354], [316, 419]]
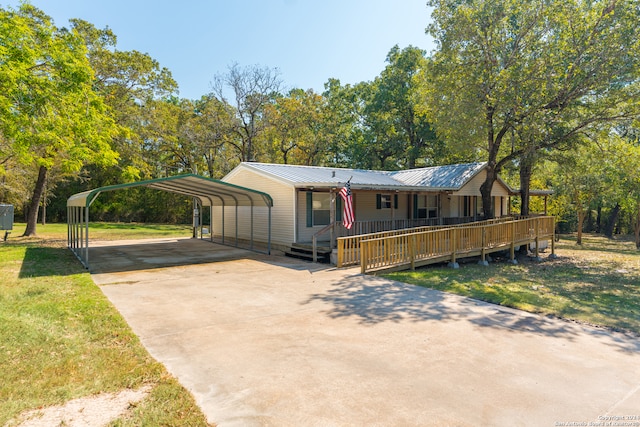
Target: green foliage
[[50, 115], [511, 83], [541, 72], [49, 111]]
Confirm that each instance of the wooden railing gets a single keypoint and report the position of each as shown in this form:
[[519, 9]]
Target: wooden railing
[[409, 250], [379, 226], [349, 247], [314, 239]]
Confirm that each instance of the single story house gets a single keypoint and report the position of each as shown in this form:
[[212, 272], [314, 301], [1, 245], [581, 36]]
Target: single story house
[[306, 200]]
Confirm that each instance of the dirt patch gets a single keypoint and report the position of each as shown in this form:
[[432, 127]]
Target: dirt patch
[[92, 411]]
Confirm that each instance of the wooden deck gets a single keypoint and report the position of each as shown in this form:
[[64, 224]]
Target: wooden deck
[[408, 249]]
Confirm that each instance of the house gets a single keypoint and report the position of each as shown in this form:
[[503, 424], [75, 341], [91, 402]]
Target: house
[[306, 200]]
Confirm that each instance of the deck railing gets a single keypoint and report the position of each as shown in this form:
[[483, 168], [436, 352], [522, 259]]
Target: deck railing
[[349, 247], [412, 249], [379, 226]]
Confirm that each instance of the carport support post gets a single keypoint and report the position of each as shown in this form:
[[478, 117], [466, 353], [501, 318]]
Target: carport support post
[[211, 222], [236, 224], [269, 236], [80, 233], [223, 209], [68, 226], [251, 244], [86, 237]]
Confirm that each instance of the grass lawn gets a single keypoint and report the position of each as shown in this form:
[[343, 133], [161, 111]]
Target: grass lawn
[[60, 338], [597, 283]]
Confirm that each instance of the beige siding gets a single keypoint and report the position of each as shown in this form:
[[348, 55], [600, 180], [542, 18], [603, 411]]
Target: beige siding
[[365, 206], [500, 204], [305, 234], [449, 206], [365, 210], [472, 188], [282, 224]]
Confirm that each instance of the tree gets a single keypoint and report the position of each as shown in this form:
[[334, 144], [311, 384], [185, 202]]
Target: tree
[[51, 115], [298, 129], [129, 82], [191, 134], [581, 180], [550, 70], [622, 168], [253, 89], [398, 96], [343, 117]]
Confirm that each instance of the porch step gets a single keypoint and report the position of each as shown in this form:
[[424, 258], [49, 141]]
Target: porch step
[[305, 251]]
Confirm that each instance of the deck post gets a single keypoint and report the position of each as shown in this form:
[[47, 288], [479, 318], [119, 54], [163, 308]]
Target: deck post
[[454, 244], [553, 239], [483, 253], [412, 252], [363, 256], [512, 253], [537, 252]]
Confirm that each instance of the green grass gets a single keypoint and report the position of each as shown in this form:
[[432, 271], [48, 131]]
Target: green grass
[[60, 338], [108, 231], [598, 283]]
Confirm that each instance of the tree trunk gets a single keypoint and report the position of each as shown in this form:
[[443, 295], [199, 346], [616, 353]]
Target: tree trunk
[[611, 221], [526, 170], [485, 191], [34, 205], [636, 228], [43, 217], [581, 216]]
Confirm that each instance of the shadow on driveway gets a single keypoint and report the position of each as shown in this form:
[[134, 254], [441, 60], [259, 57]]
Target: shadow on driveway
[[376, 300]]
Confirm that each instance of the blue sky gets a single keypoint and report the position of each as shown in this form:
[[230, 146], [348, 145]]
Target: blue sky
[[309, 41]]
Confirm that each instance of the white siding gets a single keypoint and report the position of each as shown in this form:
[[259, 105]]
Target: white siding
[[282, 225]]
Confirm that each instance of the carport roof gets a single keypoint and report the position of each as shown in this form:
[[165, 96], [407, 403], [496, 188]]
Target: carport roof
[[210, 192]]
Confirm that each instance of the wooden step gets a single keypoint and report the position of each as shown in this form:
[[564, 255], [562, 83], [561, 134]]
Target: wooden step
[[305, 251]]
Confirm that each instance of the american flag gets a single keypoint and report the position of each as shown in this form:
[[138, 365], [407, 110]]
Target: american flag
[[347, 213]]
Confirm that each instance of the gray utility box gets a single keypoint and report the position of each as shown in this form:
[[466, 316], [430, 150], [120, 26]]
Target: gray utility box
[[6, 217]]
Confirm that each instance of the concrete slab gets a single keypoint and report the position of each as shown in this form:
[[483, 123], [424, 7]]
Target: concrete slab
[[267, 340]]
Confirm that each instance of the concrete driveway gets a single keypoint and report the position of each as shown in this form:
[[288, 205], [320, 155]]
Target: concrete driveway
[[269, 340]]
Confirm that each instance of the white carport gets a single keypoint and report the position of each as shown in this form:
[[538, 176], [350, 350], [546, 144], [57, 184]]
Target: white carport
[[207, 192]]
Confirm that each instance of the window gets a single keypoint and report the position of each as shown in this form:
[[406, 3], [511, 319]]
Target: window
[[385, 201], [470, 206], [318, 209], [427, 206]]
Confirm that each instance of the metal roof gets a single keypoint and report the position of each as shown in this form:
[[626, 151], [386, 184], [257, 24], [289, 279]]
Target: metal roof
[[451, 177], [210, 192], [301, 176]]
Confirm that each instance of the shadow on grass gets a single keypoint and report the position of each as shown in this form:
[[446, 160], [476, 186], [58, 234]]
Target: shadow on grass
[[373, 300], [48, 261]]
